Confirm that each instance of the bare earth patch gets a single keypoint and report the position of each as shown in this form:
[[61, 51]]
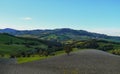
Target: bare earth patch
[[87, 61]]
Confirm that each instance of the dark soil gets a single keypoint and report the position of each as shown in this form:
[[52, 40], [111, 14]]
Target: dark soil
[[82, 62]]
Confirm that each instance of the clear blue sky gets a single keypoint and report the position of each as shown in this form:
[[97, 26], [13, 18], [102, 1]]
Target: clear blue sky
[[102, 16]]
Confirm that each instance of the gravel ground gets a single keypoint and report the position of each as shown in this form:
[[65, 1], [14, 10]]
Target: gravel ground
[[88, 61]]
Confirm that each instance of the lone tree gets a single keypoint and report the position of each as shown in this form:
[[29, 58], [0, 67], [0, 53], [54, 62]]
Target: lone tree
[[68, 49], [46, 53]]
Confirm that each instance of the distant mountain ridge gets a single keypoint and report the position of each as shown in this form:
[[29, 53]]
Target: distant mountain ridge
[[60, 34]]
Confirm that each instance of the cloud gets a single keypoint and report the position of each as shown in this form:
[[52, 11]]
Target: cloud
[[27, 18], [110, 31]]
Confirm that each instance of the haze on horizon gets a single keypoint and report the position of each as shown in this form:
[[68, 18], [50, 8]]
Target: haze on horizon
[[100, 16]]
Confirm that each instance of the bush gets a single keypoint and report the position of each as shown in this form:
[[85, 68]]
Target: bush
[[12, 56], [2, 55], [106, 47], [91, 44], [116, 51]]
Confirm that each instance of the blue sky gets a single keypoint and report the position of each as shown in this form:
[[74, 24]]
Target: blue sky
[[101, 16]]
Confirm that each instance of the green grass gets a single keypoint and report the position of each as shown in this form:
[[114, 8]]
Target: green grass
[[10, 44], [29, 59], [11, 48], [37, 57]]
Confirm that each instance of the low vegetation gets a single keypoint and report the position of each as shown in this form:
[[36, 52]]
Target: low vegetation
[[30, 49]]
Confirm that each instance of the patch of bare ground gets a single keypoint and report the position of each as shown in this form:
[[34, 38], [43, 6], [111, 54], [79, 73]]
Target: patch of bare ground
[[87, 61]]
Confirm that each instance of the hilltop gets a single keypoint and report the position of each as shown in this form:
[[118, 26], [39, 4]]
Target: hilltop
[[60, 34], [88, 61]]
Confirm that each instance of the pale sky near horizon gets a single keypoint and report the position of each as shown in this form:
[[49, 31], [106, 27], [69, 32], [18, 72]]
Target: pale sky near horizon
[[101, 16]]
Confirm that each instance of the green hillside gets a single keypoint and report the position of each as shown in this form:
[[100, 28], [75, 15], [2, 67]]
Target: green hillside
[[15, 45], [30, 49], [104, 45], [60, 34]]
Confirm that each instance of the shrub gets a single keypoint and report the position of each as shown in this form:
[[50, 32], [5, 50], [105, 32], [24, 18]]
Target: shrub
[[90, 44], [116, 51], [106, 47]]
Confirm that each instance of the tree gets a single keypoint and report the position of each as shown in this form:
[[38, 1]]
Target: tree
[[106, 47], [12, 56], [27, 45], [68, 49], [46, 53], [23, 54], [115, 51], [91, 44], [2, 55]]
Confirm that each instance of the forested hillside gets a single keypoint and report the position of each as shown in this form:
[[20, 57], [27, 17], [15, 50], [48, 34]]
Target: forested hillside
[[60, 34]]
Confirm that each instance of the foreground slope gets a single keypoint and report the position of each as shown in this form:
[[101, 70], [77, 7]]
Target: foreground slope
[[81, 62]]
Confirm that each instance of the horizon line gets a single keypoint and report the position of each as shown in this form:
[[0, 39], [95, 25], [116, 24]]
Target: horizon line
[[58, 28]]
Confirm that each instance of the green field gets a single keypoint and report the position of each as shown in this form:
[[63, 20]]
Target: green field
[[37, 57], [31, 49], [13, 45]]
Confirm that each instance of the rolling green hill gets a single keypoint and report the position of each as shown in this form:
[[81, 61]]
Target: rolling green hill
[[60, 34], [14, 45], [30, 49]]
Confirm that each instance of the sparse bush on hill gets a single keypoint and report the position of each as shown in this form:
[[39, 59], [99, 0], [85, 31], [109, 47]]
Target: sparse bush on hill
[[116, 51], [91, 44], [88, 44], [2, 55], [46, 53], [106, 47], [12, 56]]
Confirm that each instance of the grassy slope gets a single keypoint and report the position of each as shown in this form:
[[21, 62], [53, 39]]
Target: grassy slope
[[23, 60], [81, 62], [8, 49], [11, 44], [13, 48], [37, 57]]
